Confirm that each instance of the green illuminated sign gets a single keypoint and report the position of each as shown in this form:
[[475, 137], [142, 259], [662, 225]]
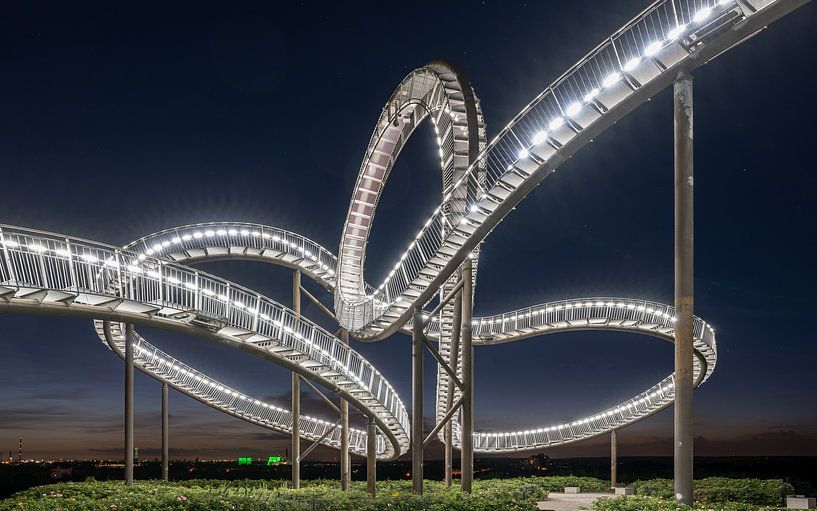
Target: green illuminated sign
[[272, 460]]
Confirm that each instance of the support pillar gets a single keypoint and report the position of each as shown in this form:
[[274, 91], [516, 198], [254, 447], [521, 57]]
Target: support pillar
[[448, 437], [296, 394], [682, 89], [345, 461], [467, 453], [129, 336], [165, 427], [448, 430], [417, 402], [613, 460], [371, 457]]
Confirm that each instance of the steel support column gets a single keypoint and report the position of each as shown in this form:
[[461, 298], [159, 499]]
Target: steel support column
[[129, 336], [613, 460], [448, 430], [417, 353], [295, 449], [371, 456], [682, 89], [165, 433], [345, 462], [467, 452], [417, 402]]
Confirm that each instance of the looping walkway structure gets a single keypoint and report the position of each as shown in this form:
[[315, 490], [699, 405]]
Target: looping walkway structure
[[241, 241], [151, 282], [49, 273]]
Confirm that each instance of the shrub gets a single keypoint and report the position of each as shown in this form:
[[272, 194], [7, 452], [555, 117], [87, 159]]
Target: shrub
[[661, 488], [764, 492], [517, 494], [643, 503], [512, 495]]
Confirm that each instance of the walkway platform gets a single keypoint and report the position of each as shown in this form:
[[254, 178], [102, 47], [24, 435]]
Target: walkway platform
[[570, 502]]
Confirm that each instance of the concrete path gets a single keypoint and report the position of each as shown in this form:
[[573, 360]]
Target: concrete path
[[570, 502]]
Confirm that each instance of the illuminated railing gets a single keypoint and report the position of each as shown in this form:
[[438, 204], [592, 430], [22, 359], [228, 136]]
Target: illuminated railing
[[185, 242], [434, 92], [597, 313], [226, 399], [94, 272], [656, 40], [643, 405]]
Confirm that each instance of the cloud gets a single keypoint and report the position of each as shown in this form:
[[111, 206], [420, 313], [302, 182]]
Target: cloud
[[24, 417]]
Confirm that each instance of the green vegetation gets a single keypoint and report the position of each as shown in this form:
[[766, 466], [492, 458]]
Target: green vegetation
[[489, 495], [719, 493], [761, 492], [641, 503]]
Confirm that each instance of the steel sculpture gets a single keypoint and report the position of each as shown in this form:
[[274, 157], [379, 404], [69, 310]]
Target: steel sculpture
[[151, 281]]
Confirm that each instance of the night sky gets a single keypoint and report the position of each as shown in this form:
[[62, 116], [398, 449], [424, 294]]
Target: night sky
[[118, 121]]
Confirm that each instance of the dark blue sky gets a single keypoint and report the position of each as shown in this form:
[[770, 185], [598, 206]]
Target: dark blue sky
[[117, 121]]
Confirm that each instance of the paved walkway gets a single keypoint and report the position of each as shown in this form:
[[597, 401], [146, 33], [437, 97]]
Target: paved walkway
[[570, 502]]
